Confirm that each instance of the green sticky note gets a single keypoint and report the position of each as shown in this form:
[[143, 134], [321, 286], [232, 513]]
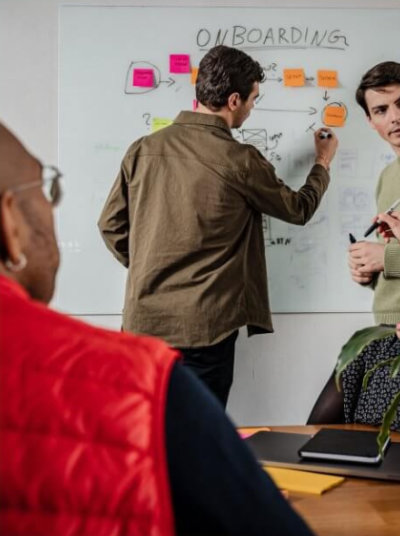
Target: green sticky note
[[160, 122]]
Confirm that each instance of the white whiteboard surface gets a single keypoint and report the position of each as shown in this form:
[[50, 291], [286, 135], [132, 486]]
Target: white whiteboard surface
[[100, 115]]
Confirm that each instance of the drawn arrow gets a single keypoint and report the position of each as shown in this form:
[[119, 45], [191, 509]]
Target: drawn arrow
[[326, 96], [170, 81], [274, 79], [310, 111], [310, 78]]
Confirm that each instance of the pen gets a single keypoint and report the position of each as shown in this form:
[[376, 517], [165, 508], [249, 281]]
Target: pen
[[352, 239], [377, 223]]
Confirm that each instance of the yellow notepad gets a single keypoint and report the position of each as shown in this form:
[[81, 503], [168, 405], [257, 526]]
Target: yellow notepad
[[302, 481]]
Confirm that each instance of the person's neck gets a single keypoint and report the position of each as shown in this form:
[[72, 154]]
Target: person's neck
[[6, 273], [223, 113]]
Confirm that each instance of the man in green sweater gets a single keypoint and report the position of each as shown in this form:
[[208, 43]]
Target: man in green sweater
[[375, 263]]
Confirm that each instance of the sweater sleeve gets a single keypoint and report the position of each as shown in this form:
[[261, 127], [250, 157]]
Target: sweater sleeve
[[391, 262]]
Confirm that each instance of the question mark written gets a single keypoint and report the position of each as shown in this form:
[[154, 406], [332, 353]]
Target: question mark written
[[146, 117]]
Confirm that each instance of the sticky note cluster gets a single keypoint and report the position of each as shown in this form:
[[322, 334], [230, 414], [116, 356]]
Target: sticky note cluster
[[296, 78]]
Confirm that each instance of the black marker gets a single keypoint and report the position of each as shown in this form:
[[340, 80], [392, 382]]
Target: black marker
[[377, 223], [352, 239], [324, 135]]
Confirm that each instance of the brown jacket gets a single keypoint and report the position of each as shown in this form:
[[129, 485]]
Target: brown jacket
[[184, 216]]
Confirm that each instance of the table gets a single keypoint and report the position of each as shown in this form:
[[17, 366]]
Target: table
[[358, 507]]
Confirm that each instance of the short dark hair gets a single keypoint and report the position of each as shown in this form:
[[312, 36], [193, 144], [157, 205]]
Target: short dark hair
[[382, 74], [223, 71]]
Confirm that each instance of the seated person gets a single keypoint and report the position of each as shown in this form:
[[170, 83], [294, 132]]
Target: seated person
[[353, 404], [105, 433]]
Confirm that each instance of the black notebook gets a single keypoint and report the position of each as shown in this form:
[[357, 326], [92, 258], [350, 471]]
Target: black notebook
[[343, 445]]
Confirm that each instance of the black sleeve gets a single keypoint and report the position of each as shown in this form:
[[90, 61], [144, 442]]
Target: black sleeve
[[217, 485]]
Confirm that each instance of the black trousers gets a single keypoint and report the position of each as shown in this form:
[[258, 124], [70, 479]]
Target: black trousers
[[213, 365]]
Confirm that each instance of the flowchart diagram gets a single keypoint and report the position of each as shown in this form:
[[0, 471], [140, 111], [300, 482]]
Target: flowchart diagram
[[138, 71]]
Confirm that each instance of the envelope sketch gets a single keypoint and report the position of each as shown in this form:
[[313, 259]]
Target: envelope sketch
[[255, 136]]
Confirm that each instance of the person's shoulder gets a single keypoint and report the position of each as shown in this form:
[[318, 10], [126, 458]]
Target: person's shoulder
[[392, 169], [134, 147]]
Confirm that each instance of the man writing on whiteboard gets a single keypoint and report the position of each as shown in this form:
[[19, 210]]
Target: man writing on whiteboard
[[184, 216], [377, 263]]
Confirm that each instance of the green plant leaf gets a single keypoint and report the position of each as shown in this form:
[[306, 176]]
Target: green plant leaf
[[369, 372], [388, 418], [395, 366], [356, 344]]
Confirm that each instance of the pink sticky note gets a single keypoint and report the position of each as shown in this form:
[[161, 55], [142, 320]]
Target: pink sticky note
[[245, 435], [143, 77], [195, 105], [179, 63]]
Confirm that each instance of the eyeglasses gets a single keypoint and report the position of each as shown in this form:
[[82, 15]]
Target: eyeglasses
[[50, 183]]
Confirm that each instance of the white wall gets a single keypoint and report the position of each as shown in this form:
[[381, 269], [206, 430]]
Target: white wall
[[277, 376]]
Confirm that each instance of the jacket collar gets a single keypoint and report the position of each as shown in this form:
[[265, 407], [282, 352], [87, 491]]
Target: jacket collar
[[196, 118]]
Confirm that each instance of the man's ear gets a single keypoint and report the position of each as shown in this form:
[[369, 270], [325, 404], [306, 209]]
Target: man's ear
[[233, 101], [10, 227]]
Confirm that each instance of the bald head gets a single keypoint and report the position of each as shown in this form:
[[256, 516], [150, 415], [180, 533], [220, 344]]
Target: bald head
[[26, 221]]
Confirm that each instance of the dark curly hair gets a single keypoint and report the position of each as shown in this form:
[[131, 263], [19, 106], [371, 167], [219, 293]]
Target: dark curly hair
[[382, 74], [223, 71]]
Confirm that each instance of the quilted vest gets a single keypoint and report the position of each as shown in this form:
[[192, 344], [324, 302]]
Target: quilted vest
[[82, 426]]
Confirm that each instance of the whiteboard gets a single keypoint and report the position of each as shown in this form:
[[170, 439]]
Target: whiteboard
[[101, 113]]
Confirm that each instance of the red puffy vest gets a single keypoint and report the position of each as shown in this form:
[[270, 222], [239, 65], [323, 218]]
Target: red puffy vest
[[82, 426]]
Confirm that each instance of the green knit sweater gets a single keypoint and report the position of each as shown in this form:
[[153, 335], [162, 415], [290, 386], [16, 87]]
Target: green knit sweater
[[386, 306]]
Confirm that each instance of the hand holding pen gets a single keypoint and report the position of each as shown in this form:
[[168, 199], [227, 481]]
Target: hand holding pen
[[325, 146], [377, 221], [389, 225]]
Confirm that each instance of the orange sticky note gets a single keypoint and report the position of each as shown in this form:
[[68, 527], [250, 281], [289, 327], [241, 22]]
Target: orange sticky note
[[327, 78], [193, 76], [334, 116], [293, 77]]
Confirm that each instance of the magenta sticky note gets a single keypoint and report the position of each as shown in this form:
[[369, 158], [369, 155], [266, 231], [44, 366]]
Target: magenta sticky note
[[179, 63], [244, 435], [143, 77]]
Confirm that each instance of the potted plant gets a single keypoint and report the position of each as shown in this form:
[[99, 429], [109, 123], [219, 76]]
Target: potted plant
[[351, 350]]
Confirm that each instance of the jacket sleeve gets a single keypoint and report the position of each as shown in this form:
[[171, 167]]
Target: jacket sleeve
[[270, 195], [114, 219]]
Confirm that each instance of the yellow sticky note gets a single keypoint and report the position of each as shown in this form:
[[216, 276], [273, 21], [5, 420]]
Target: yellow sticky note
[[327, 78], [302, 481], [334, 116], [160, 122], [193, 76], [293, 77]]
